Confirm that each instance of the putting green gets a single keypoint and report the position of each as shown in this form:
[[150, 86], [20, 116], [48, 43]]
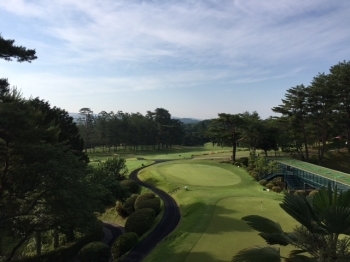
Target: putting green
[[199, 175], [227, 233]]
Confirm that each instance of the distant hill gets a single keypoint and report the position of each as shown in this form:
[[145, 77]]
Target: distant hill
[[183, 120], [188, 120], [75, 115]]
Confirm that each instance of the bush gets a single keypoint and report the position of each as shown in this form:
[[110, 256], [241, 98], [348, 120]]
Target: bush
[[270, 185], [263, 182], [123, 244], [276, 189], [244, 161], [153, 203], [313, 192], [300, 193], [140, 221], [143, 197], [94, 252], [128, 205], [131, 185], [67, 252], [236, 163], [120, 210]]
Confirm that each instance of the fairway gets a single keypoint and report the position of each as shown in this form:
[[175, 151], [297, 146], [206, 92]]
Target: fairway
[[219, 195], [199, 175], [229, 232]]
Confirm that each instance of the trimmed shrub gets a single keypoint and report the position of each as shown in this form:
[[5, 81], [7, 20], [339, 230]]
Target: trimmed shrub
[[94, 252], [263, 182], [123, 244], [313, 192], [153, 203], [120, 210], [236, 163], [143, 197], [128, 205], [276, 189], [300, 193], [131, 185], [270, 185], [244, 161], [140, 221]]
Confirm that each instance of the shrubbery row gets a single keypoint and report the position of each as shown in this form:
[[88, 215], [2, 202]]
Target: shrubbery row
[[123, 244], [95, 252]]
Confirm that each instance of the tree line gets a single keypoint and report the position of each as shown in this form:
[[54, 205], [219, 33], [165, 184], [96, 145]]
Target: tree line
[[121, 130], [311, 116]]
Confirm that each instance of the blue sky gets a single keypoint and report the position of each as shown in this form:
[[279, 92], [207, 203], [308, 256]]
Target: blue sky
[[193, 58]]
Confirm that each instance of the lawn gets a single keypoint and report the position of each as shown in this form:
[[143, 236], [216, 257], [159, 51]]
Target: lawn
[[219, 196]]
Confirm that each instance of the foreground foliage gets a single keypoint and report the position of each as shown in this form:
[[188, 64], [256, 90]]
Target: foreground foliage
[[324, 219]]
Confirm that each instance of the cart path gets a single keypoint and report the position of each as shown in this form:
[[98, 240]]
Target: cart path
[[170, 220]]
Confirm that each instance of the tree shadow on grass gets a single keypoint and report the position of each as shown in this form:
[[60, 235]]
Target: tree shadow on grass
[[211, 219], [200, 257], [151, 181], [173, 256]]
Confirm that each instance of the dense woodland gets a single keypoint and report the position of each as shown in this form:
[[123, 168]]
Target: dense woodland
[[43, 151]]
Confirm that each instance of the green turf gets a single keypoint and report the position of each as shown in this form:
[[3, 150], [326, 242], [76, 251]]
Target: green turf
[[199, 175], [210, 228]]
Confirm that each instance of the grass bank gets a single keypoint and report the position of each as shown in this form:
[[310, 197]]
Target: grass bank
[[219, 195]]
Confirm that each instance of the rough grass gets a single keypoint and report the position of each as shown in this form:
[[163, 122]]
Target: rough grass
[[210, 228]]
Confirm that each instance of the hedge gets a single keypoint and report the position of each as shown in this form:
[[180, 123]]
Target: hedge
[[128, 205], [153, 203], [120, 210], [144, 196], [67, 252], [123, 244], [140, 221], [131, 185], [95, 252], [244, 161]]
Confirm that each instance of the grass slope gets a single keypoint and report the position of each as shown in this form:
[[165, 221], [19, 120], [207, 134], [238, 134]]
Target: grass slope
[[210, 228]]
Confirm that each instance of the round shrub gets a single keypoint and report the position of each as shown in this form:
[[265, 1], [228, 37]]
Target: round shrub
[[270, 185], [94, 252], [153, 203], [131, 185], [244, 161], [120, 210], [123, 244], [300, 193], [140, 221], [263, 182], [144, 196], [276, 189], [128, 205], [313, 192]]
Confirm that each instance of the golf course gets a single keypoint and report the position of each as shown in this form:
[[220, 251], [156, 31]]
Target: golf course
[[218, 195]]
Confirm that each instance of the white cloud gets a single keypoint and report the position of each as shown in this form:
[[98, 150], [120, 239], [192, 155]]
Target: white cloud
[[108, 46], [143, 32]]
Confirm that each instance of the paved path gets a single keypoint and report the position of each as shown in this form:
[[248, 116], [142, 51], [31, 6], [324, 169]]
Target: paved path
[[168, 223]]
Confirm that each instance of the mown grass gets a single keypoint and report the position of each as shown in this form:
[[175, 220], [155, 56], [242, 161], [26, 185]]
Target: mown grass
[[210, 228]]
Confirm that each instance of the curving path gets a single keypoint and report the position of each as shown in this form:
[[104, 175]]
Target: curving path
[[168, 223]]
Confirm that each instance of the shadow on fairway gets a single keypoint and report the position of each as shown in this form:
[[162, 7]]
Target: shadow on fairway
[[201, 256], [192, 256], [152, 181], [219, 219]]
